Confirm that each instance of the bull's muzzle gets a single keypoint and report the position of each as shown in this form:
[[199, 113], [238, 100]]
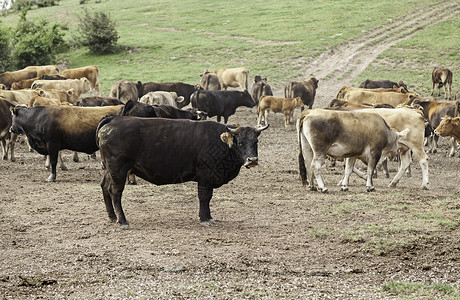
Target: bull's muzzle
[[251, 162]]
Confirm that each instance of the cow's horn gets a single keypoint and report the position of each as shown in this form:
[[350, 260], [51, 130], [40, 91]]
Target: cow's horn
[[260, 129], [233, 129]]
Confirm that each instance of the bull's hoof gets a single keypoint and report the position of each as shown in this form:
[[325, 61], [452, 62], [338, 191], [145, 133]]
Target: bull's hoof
[[132, 182], [424, 187], [344, 188], [13, 159], [51, 178], [207, 223], [434, 151], [371, 189], [5, 157], [325, 191]]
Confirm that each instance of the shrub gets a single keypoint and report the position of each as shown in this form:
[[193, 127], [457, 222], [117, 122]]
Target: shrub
[[97, 32], [6, 59], [36, 43]]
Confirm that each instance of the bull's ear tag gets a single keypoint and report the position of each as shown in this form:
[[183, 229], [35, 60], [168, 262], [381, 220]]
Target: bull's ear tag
[[227, 138]]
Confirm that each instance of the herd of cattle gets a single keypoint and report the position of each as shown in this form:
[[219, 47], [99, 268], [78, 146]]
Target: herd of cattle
[[380, 119]]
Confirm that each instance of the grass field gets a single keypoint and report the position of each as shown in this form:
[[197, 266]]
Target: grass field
[[176, 40]]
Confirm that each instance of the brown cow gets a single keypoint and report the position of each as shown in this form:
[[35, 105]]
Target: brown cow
[[391, 98], [124, 90], [340, 103], [44, 70], [7, 78], [234, 77], [449, 127], [442, 77], [457, 95], [23, 84], [343, 91], [434, 111], [63, 95], [304, 89], [89, 72], [43, 101], [19, 96], [260, 88], [5, 124], [285, 106], [209, 81]]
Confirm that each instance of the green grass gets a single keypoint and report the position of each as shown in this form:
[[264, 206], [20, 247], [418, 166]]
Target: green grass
[[411, 290], [176, 40]]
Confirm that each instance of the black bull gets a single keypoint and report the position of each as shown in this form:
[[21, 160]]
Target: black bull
[[207, 152]]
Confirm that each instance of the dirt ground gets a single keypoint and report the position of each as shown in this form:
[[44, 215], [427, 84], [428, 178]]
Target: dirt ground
[[274, 239]]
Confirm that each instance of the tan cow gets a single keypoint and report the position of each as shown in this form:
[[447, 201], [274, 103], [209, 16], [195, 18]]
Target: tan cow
[[19, 96], [442, 77], [44, 70], [340, 103], [44, 101], [63, 95], [285, 106], [457, 95], [342, 92], [391, 98], [80, 86], [161, 97], [90, 72], [234, 77], [125, 90], [23, 84], [7, 78], [449, 127], [342, 134]]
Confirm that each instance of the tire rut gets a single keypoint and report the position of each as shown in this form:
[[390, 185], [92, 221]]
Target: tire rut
[[341, 65]]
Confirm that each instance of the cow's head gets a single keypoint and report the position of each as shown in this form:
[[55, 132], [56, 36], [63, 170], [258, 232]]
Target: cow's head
[[447, 125], [244, 141], [19, 118], [315, 82], [246, 99], [298, 102]]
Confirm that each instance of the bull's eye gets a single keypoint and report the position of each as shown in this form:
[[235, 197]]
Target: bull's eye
[[240, 144]]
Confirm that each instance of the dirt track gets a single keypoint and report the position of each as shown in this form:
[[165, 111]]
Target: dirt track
[[274, 239]]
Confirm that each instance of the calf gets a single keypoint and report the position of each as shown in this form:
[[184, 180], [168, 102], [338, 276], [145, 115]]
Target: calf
[[285, 106], [442, 77], [374, 84], [304, 89], [162, 98], [50, 129], [342, 134], [221, 103], [449, 127]]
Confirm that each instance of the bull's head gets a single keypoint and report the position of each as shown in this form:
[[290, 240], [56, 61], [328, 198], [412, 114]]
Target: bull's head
[[244, 141]]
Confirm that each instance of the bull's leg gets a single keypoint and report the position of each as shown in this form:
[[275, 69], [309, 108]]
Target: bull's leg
[[205, 195], [439, 90], [53, 158], [105, 182], [75, 156], [218, 118], [349, 165], [317, 164], [116, 186], [61, 162]]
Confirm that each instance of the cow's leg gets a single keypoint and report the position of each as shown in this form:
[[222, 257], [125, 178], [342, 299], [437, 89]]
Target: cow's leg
[[286, 120], [307, 154], [434, 141], [131, 178], [445, 92], [317, 164], [53, 154], [115, 187], [450, 90], [405, 159], [225, 119], [423, 161], [75, 156], [453, 147], [385, 168], [205, 195], [266, 112], [4, 149], [218, 118], [349, 165], [439, 90], [61, 162], [259, 119], [13, 139], [371, 164], [432, 88], [105, 182]]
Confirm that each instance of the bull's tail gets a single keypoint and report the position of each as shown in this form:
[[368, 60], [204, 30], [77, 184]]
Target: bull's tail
[[104, 121], [302, 168]]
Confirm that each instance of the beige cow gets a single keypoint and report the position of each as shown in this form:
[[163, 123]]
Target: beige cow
[[80, 86], [89, 72], [286, 106], [234, 77]]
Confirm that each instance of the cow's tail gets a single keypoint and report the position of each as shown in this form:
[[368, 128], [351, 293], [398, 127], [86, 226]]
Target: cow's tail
[[246, 74], [302, 168], [96, 84], [104, 121], [457, 109]]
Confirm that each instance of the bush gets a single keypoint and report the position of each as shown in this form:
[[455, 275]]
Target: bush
[[97, 32], [37, 43], [6, 59]]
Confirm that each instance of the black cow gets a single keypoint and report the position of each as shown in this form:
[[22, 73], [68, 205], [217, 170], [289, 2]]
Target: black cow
[[182, 89], [98, 101], [260, 88], [138, 109], [305, 89], [206, 152], [221, 103], [375, 84], [50, 129]]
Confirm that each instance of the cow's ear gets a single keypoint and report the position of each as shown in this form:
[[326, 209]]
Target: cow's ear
[[227, 138]]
